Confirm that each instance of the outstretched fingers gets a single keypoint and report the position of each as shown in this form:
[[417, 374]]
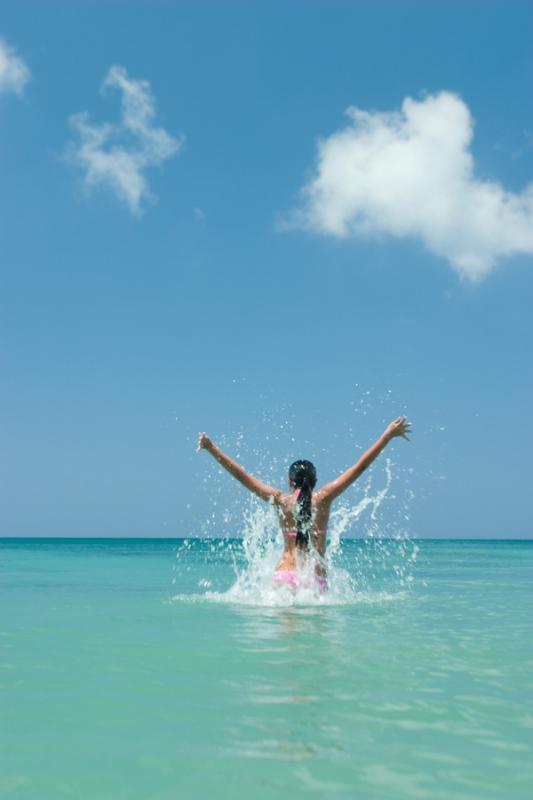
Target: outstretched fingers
[[400, 427], [405, 428]]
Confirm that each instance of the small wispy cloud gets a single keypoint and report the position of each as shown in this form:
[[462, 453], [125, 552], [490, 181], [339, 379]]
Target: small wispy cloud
[[117, 155], [14, 72], [411, 174]]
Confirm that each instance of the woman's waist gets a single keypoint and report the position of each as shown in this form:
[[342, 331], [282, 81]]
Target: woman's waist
[[288, 562]]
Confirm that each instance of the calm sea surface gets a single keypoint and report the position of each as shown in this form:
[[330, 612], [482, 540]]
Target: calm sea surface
[[126, 671]]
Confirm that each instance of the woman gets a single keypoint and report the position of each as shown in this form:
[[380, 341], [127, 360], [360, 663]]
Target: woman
[[304, 514]]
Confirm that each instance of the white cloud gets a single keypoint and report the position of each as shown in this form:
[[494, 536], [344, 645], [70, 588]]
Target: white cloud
[[14, 73], [117, 154], [411, 174]]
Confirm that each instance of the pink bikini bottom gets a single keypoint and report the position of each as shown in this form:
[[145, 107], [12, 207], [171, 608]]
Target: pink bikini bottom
[[289, 577]]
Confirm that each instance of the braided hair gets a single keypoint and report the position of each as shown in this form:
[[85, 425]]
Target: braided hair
[[302, 474]]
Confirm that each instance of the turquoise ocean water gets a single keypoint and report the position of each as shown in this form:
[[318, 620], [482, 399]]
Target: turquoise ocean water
[[161, 669]]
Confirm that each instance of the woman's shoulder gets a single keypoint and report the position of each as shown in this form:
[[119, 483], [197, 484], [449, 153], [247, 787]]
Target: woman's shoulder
[[283, 499], [321, 499]]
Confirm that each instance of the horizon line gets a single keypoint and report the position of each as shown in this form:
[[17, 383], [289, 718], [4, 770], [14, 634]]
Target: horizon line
[[210, 538]]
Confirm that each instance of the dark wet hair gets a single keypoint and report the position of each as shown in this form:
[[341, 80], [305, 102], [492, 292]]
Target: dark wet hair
[[303, 475]]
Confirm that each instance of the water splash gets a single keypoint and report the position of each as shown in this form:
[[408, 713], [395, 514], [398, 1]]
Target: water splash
[[378, 566]]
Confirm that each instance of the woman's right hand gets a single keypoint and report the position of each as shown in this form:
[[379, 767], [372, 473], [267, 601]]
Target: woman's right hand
[[204, 442], [400, 427]]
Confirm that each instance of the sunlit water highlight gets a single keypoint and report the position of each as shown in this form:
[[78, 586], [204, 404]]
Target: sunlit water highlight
[[112, 688]]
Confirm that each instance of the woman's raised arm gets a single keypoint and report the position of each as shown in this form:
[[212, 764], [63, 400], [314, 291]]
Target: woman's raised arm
[[256, 486], [400, 427]]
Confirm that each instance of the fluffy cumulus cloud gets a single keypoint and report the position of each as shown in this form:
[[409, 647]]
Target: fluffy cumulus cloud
[[14, 73], [411, 174], [117, 155]]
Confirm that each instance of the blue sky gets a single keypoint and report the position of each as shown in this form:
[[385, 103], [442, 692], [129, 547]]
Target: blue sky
[[133, 318]]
